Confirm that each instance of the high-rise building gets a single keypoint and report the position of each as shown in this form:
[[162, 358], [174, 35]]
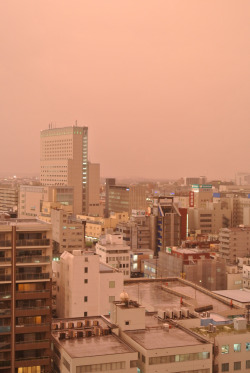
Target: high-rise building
[[126, 198], [234, 243], [109, 182], [25, 296], [94, 189], [64, 161]]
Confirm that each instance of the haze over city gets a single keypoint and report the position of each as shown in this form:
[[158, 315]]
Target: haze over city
[[163, 86]]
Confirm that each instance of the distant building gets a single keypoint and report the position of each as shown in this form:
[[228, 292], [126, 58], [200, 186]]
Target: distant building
[[67, 232], [126, 198], [112, 251], [165, 224], [94, 189], [37, 201], [234, 243], [85, 285], [8, 197], [64, 162], [109, 182]]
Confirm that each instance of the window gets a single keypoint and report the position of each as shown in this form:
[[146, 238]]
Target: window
[[126, 322], [248, 346], [143, 359], [225, 349], [111, 299], [85, 269], [225, 367], [86, 259], [85, 281], [237, 365], [85, 314], [247, 364], [85, 299], [133, 363], [112, 284], [237, 347]]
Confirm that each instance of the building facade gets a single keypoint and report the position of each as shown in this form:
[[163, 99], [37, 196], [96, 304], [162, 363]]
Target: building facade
[[25, 296], [64, 162]]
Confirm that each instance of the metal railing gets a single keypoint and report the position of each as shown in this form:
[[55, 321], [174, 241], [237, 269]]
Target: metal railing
[[32, 276], [34, 242], [33, 259], [6, 243]]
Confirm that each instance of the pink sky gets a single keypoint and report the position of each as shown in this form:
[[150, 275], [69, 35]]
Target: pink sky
[[163, 85]]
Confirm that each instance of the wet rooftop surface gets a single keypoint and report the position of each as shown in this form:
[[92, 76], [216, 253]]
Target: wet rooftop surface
[[153, 296]]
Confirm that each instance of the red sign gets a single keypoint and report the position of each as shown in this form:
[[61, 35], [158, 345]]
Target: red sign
[[191, 199]]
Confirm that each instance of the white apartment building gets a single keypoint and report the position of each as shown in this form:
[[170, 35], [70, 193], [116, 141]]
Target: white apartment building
[[112, 251], [64, 162], [234, 243], [85, 286]]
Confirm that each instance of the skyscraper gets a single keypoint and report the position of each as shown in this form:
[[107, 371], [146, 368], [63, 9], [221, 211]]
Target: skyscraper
[[64, 161]]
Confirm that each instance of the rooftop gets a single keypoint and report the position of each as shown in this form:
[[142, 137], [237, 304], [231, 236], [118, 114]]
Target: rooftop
[[241, 296], [156, 336], [108, 344]]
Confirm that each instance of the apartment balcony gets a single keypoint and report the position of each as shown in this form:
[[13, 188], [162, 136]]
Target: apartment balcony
[[34, 361], [5, 295], [35, 294], [31, 328], [32, 345], [5, 346], [5, 244], [34, 242], [33, 311], [4, 363], [32, 259], [5, 311], [5, 278], [5, 329], [5, 261], [32, 276]]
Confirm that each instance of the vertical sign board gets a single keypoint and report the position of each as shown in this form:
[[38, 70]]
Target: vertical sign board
[[191, 199]]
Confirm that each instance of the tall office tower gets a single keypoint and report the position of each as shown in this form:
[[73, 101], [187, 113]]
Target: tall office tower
[[64, 161], [94, 189], [165, 224], [25, 296], [109, 182]]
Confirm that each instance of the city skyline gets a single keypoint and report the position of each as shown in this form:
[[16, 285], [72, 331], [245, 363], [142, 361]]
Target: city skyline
[[163, 87]]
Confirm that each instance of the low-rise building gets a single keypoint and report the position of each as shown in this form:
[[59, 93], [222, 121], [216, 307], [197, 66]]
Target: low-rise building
[[112, 251], [85, 285]]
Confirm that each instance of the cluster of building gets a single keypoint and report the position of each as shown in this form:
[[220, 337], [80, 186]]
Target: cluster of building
[[72, 250]]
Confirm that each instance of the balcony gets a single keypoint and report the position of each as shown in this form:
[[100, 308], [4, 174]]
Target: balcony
[[33, 311], [5, 295], [32, 345], [33, 294], [4, 312], [4, 328], [32, 361], [32, 276], [34, 242], [31, 328], [5, 345], [5, 243], [5, 277], [4, 363], [4, 261], [33, 259]]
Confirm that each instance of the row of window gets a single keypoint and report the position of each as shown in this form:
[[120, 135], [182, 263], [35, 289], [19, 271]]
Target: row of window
[[179, 358], [237, 366], [104, 367], [237, 348]]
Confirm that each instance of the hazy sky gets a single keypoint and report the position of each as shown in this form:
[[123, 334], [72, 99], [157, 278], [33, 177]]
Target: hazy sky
[[163, 85]]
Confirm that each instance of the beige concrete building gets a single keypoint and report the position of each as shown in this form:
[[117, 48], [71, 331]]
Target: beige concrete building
[[234, 243], [8, 197], [67, 232], [112, 251], [209, 220], [37, 201], [85, 285], [126, 198], [64, 162]]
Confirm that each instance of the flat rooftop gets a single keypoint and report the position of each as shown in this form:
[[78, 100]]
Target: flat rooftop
[[241, 296], [154, 296], [90, 346], [155, 336]]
